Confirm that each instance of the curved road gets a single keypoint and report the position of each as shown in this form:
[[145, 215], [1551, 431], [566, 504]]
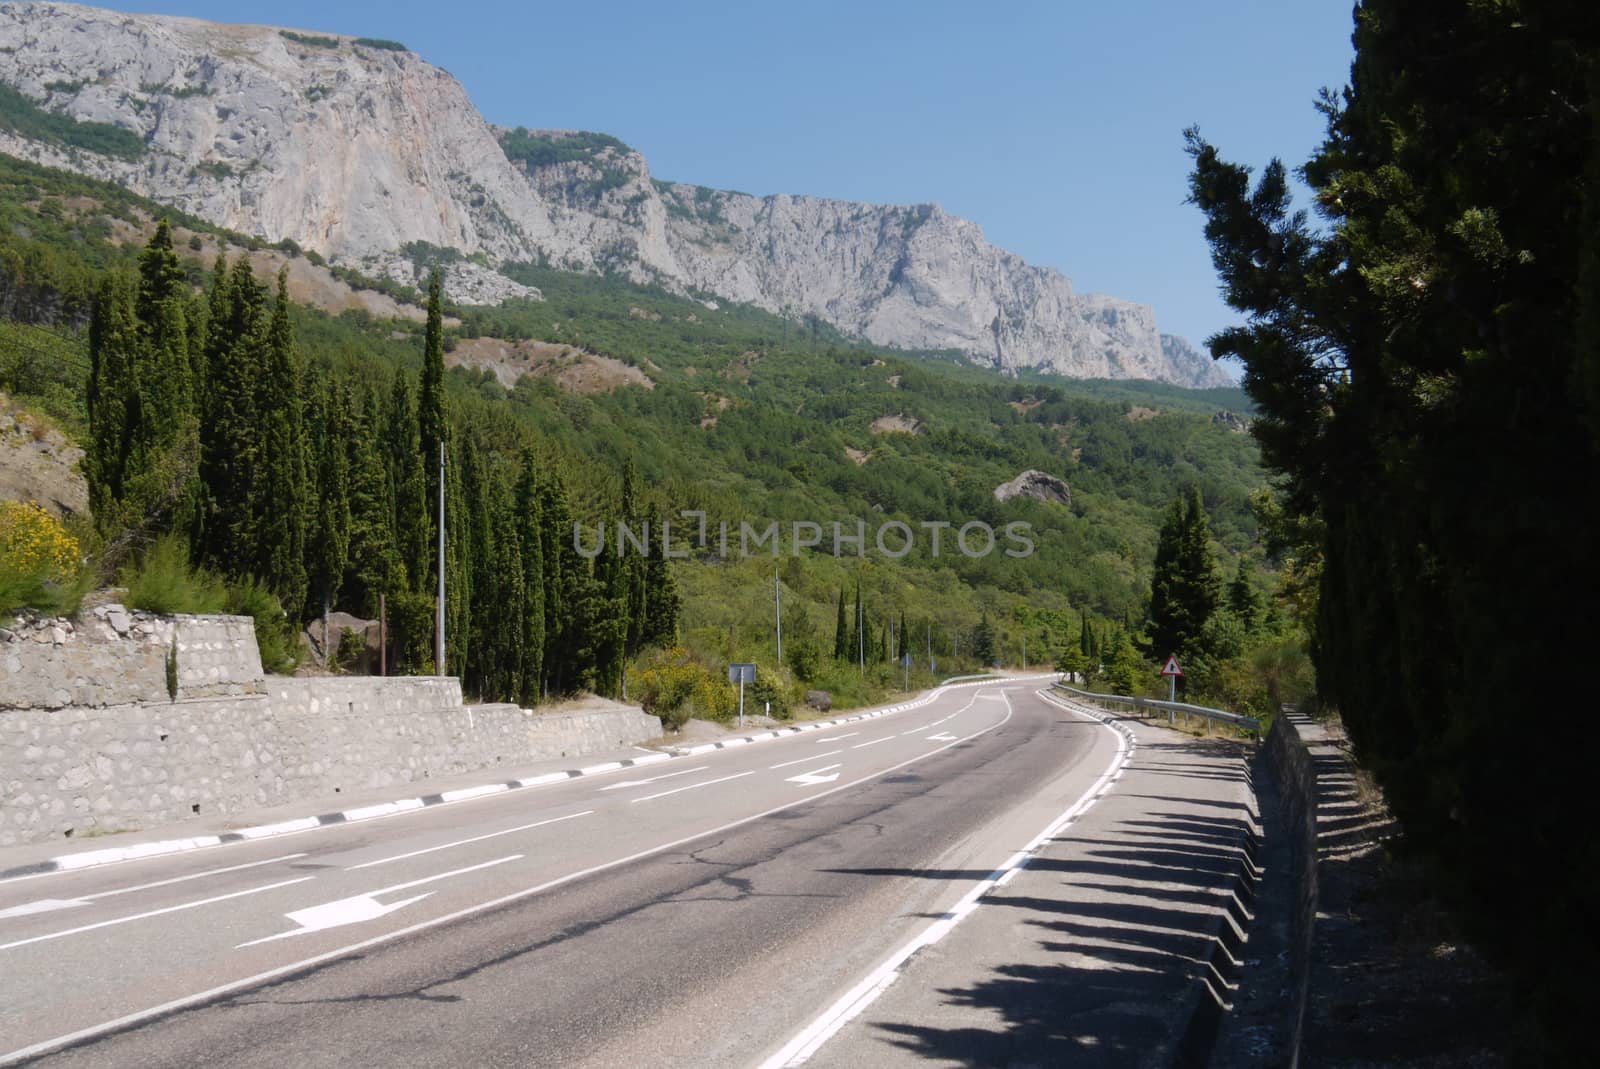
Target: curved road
[[700, 911]]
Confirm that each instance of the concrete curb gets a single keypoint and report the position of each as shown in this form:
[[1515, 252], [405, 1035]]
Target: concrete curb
[[93, 858]]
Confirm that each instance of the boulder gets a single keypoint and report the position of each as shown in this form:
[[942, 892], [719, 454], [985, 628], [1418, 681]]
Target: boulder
[[820, 700], [1037, 485]]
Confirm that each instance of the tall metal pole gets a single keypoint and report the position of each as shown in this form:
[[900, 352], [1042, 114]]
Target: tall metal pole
[[930, 645], [861, 639], [777, 602], [1024, 651], [438, 640]]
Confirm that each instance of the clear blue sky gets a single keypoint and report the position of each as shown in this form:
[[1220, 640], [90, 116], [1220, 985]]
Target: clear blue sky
[[1055, 125]]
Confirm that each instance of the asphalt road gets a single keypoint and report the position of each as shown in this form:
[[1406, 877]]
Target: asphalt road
[[699, 911]]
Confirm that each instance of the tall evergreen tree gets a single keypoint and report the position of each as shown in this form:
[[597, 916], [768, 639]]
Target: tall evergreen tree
[[433, 425], [1243, 600], [1426, 369], [1185, 588], [282, 499], [328, 549], [530, 537], [373, 562], [662, 602], [231, 436]]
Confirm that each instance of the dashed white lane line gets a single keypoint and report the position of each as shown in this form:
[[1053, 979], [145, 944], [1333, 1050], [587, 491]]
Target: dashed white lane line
[[803, 760], [855, 1001], [836, 738], [48, 905], [464, 842], [652, 779], [151, 913], [694, 786], [871, 742]]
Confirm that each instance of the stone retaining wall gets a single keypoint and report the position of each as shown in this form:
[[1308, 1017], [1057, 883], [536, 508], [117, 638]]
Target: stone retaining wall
[[90, 764], [115, 656]]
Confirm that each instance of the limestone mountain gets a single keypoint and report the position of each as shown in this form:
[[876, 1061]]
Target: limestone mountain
[[355, 148]]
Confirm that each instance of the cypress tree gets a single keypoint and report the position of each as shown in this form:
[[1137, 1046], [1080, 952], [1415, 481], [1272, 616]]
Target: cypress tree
[[373, 564], [432, 425], [530, 536], [663, 604], [281, 504], [1243, 599], [112, 400], [328, 550], [408, 488], [506, 642], [231, 435]]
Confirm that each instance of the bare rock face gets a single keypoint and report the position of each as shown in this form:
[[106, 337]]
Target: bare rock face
[[355, 151], [1037, 485]]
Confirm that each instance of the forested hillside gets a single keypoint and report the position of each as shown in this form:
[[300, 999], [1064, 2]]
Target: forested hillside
[[726, 410]]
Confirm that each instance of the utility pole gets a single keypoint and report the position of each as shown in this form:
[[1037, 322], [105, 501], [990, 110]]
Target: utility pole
[[930, 645], [777, 602], [438, 632], [861, 639], [1024, 651]]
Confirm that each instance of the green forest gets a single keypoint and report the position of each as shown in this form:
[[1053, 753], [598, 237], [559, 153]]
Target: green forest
[[278, 452], [1425, 358]]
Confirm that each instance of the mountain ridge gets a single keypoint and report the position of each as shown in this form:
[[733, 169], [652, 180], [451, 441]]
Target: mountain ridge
[[354, 150]]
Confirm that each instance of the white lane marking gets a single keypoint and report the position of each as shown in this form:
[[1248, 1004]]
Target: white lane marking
[[943, 736], [804, 760], [152, 913], [652, 779], [48, 905], [693, 786], [464, 842], [849, 1006], [815, 777], [201, 997], [358, 908], [835, 738], [874, 742]]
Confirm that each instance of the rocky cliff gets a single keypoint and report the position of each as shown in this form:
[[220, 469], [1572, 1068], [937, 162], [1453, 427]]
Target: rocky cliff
[[355, 148]]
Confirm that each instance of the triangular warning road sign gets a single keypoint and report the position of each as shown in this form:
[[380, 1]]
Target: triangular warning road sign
[[1172, 668]]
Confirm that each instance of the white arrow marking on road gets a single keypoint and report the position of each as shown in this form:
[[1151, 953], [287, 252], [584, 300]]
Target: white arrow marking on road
[[652, 779], [943, 736], [358, 908], [43, 905], [814, 777]]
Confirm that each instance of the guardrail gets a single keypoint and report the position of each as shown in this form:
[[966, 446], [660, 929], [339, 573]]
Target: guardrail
[[1142, 707]]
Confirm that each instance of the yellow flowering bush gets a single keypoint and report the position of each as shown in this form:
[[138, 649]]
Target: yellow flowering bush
[[34, 543], [40, 563], [676, 687]]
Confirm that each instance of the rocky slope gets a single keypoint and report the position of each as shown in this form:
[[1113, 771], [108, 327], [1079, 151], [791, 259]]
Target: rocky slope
[[354, 150]]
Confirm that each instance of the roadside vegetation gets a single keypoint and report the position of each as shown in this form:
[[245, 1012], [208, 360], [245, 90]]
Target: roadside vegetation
[[1426, 364]]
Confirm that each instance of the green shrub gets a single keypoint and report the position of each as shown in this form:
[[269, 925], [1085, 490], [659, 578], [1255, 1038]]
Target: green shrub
[[280, 651], [677, 688], [382, 44], [309, 40], [163, 582]]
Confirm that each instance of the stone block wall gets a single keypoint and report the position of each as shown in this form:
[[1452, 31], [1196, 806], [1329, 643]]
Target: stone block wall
[[70, 768], [115, 656]]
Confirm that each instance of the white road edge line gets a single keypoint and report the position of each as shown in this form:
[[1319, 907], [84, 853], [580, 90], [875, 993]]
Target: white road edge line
[[139, 1016], [811, 1038], [693, 786], [152, 913], [464, 842]]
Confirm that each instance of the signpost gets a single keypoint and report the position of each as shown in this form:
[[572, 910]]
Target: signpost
[[741, 674], [1172, 672], [908, 670]]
